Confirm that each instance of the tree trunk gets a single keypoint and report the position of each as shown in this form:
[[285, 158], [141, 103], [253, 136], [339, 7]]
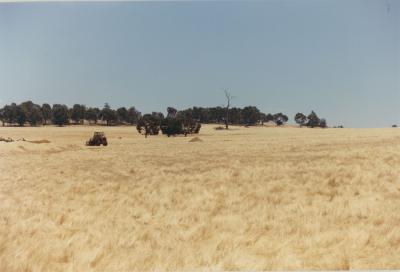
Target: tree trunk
[[227, 117]]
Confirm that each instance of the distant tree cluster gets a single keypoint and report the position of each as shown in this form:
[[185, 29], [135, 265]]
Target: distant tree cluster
[[58, 114], [312, 120], [174, 124], [247, 116]]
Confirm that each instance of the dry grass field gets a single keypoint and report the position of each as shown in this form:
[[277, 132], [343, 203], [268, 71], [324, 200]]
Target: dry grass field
[[249, 198]]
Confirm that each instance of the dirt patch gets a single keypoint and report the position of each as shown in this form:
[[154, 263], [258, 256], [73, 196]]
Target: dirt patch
[[7, 140], [195, 139], [22, 148], [40, 141]]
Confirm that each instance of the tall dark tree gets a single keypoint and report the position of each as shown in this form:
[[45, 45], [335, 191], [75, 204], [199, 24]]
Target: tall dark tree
[[300, 118], [108, 114], [235, 115], [122, 115], [280, 118], [229, 98], [33, 113], [20, 115], [217, 115], [46, 112], [35, 116], [60, 114], [197, 113], [250, 115], [78, 113], [133, 115], [10, 113], [92, 115], [313, 120]]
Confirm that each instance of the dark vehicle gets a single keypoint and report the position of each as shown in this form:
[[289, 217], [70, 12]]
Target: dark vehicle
[[98, 139]]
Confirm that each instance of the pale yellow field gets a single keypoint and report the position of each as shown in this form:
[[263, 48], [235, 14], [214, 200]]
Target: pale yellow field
[[248, 198]]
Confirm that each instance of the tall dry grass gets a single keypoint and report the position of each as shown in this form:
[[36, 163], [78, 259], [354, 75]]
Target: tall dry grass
[[249, 198]]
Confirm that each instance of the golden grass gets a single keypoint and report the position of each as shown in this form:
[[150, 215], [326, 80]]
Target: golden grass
[[248, 198]]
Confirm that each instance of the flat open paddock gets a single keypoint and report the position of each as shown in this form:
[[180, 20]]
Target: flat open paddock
[[249, 198]]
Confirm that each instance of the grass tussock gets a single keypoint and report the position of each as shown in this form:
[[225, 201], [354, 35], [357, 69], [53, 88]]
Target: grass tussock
[[250, 198]]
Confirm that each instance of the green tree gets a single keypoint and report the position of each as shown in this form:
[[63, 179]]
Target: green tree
[[46, 112], [133, 116], [33, 113], [250, 115], [60, 114], [313, 120], [108, 115], [78, 113], [35, 116], [92, 115], [122, 115], [235, 115], [20, 115], [280, 118], [10, 113], [300, 118]]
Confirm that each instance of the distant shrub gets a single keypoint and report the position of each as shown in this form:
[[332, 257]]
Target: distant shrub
[[394, 126]]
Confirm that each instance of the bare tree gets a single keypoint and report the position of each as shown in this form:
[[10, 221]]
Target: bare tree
[[229, 98]]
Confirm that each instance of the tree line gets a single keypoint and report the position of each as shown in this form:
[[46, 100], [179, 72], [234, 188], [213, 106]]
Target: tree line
[[60, 114], [249, 116]]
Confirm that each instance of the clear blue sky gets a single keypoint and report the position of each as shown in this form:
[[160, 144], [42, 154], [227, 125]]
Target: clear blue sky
[[339, 58]]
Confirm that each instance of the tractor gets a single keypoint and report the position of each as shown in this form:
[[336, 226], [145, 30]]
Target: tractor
[[98, 139]]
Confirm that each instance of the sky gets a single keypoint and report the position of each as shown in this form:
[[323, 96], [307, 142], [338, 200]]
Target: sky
[[340, 58]]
